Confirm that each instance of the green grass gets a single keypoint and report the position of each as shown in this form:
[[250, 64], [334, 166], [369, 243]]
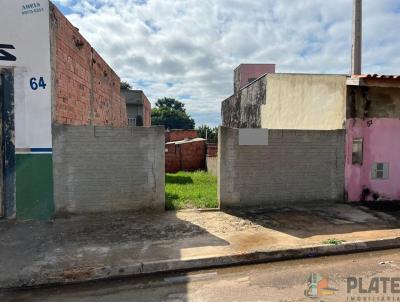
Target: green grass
[[333, 241], [188, 190]]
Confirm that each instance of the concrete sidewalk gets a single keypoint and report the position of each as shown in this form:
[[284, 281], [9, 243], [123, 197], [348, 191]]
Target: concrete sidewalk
[[88, 248]]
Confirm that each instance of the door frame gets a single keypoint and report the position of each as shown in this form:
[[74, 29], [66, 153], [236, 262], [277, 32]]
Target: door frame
[[7, 143]]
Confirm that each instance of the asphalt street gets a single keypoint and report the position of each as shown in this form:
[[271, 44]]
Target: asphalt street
[[279, 281]]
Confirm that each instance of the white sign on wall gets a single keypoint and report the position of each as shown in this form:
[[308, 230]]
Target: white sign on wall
[[25, 47], [253, 137]]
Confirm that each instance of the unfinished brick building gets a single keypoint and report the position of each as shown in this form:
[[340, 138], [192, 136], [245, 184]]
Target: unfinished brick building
[[87, 89], [185, 155], [180, 134], [54, 77], [184, 151]]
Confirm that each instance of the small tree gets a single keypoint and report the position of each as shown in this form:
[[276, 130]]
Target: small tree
[[172, 114], [211, 134], [125, 86], [170, 103]]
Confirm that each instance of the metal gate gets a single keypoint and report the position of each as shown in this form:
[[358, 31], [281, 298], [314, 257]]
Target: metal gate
[[2, 97], [7, 150]]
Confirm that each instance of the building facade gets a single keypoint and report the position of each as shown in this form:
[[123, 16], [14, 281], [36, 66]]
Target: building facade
[[304, 102], [373, 138], [243, 108], [138, 108], [366, 107], [50, 75], [245, 74]]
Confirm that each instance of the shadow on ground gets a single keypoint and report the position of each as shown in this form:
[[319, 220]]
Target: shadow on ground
[[81, 247], [324, 219], [176, 179], [99, 246]]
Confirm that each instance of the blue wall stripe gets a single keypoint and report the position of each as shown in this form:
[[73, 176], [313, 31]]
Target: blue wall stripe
[[33, 150]]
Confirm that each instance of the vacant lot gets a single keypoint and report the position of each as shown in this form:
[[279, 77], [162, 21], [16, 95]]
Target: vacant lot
[[186, 190]]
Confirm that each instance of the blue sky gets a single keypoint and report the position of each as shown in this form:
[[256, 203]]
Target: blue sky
[[188, 49]]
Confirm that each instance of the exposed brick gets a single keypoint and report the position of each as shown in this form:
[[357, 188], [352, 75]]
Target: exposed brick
[[189, 156], [84, 81], [179, 134], [212, 150]]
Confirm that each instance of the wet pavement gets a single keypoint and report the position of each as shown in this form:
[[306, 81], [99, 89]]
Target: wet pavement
[[75, 249], [279, 281]]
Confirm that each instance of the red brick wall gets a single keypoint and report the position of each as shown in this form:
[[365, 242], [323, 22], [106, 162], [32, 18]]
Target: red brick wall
[[188, 156], [172, 158], [178, 135], [212, 150], [146, 111], [87, 90], [193, 156]]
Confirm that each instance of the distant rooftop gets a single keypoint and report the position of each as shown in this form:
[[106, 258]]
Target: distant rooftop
[[377, 76], [133, 96], [185, 141], [377, 80]]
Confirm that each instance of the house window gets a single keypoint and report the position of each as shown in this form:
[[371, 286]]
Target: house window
[[357, 151], [131, 122], [380, 171]]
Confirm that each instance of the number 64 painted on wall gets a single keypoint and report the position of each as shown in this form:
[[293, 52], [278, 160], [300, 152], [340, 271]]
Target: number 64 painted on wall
[[35, 85]]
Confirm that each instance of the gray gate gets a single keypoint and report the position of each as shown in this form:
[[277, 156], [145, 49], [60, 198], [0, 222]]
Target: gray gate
[[7, 150]]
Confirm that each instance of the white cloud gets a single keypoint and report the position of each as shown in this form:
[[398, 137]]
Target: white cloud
[[190, 48], [65, 2]]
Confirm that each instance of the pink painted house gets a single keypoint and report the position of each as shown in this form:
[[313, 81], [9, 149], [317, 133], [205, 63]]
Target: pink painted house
[[366, 107], [244, 74], [243, 108], [372, 169]]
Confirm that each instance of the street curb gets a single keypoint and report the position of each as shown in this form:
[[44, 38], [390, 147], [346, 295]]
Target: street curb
[[89, 273]]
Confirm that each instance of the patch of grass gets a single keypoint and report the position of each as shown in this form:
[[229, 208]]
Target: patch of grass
[[186, 190], [333, 241]]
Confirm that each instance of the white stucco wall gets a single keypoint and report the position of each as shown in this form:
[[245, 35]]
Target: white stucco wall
[[304, 102], [25, 26]]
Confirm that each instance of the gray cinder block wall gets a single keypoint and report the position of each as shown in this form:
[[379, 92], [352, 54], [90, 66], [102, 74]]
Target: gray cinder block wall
[[297, 166], [105, 169], [212, 165]]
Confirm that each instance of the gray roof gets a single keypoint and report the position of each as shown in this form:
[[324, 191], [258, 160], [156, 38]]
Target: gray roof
[[133, 97]]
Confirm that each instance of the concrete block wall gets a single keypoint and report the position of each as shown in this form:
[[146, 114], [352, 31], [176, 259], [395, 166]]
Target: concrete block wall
[[212, 165], [230, 111], [106, 169], [298, 166], [87, 90]]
